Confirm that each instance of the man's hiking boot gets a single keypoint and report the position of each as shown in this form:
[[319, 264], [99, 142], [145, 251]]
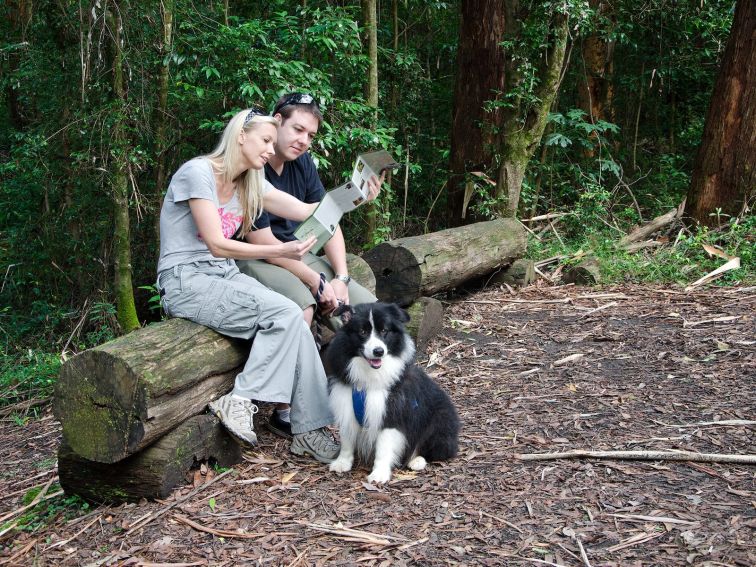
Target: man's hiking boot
[[279, 426], [236, 415], [318, 443]]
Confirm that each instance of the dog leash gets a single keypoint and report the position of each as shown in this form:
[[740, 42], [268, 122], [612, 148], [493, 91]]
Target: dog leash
[[320, 317]]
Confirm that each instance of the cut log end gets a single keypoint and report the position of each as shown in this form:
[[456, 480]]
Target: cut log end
[[426, 320], [97, 415], [397, 273]]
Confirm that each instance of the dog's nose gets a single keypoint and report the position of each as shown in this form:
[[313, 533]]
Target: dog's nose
[[378, 352]]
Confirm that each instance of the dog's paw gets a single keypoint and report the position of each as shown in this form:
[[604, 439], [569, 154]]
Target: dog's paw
[[340, 465], [379, 476], [417, 464]]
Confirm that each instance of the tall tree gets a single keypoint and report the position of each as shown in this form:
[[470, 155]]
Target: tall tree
[[724, 174], [124, 290], [161, 114], [595, 92], [370, 19], [527, 109], [479, 77]]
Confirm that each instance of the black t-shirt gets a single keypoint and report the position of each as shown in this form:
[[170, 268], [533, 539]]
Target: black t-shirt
[[298, 178]]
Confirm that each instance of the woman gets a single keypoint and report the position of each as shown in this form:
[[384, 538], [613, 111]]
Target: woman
[[208, 200]]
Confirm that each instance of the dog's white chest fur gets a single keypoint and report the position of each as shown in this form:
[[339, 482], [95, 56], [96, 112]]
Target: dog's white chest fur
[[365, 434]]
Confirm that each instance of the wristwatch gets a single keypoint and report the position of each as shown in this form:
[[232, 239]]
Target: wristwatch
[[343, 278]]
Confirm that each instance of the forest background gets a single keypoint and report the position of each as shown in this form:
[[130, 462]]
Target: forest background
[[595, 109]]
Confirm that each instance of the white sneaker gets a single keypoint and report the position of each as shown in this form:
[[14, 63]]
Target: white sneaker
[[236, 416]]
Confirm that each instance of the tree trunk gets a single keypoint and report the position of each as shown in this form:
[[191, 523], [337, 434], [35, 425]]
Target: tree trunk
[[595, 91], [117, 398], [370, 17], [124, 291], [154, 472], [522, 133], [161, 115], [479, 78], [724, 175], [408, 268]]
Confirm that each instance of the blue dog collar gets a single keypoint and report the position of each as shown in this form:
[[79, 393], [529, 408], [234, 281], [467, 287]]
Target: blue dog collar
[[358, 403]]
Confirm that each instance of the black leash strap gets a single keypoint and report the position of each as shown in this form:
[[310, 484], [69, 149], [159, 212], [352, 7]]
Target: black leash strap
[[319, 317]]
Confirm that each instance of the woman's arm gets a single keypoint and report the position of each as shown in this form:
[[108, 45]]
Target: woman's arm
[[208, 222], [286, 206]]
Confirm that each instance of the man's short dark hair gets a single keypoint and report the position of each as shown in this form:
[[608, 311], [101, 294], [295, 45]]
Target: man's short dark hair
[[288, 103]]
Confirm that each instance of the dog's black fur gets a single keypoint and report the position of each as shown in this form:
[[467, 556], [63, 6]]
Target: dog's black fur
[[409, 419]]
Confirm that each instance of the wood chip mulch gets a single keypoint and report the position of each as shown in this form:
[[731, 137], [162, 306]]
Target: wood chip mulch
[[539, 370]]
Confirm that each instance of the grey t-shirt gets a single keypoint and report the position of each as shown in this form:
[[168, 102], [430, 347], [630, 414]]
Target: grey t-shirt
[[180, 241]]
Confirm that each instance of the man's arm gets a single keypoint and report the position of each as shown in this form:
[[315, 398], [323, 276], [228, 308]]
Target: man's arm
[[335, 251], [308, 276], [335, 248]]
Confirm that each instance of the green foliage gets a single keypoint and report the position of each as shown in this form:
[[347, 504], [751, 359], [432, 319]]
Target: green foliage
[[680, 262], [26, 375], [47, 512]]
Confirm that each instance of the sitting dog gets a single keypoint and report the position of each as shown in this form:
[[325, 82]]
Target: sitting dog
[[388, 409]]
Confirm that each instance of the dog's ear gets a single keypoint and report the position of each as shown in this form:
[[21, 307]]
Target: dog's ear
[[345, 312], [399, 313]]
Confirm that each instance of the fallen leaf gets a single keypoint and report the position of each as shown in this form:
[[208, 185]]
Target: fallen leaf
[[568, 359]]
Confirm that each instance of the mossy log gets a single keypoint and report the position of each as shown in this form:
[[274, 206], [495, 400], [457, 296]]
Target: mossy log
[[408, 268], [151, 473], [116, 399], [426, 320], [360, 271], [519, 273], [587, 272]]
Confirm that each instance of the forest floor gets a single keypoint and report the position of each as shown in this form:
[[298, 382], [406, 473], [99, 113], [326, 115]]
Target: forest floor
[[542, 369]]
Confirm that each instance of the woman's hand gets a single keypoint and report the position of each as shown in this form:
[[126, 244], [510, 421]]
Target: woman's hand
[[296, 249]]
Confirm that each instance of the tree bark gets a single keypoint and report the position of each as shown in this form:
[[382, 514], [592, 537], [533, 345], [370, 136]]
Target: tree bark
[[724, 175], [408, 268], [479, 78], [124, 290], [117, 398], [595, 92], [524, 127], [161, 115], [154, 472], [370, 17]]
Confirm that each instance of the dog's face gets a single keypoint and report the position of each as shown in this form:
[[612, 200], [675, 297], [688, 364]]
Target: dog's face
[[375, 332]]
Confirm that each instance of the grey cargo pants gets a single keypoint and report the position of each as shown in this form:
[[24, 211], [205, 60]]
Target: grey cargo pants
[[283, 365]]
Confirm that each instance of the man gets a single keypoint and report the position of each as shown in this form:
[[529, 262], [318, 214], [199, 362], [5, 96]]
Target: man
[[292, 170]]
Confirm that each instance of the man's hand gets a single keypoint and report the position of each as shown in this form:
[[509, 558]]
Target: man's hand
[[374, 186], [328, 300], [341, 289]]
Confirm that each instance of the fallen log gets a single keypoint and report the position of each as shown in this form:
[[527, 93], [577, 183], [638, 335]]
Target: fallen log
[[426, 320], [360, 271], [519, 273], [587, 272], [642, 456], [643, 232], [408, 268], [118, 398], [154, 472]]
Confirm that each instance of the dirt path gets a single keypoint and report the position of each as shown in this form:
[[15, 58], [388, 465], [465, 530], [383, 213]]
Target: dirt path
[[543, 370]]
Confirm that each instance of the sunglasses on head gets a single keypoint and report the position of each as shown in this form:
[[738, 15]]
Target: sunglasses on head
[[252, 113], [295, 98]]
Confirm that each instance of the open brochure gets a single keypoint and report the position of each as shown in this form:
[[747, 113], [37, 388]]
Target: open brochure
[[347, 197]]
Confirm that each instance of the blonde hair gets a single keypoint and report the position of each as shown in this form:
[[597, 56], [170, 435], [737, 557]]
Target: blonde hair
[[225, 158]]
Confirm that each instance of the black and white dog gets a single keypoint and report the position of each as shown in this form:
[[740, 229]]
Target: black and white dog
[[388, 409]]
